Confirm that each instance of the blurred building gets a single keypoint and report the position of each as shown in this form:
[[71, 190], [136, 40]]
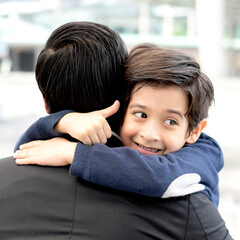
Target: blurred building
[[209, 30]]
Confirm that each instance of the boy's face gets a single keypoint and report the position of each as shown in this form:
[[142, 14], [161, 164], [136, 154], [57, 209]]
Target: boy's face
[[155, 121]]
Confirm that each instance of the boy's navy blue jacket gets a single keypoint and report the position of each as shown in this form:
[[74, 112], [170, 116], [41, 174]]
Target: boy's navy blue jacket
[[192, 169]]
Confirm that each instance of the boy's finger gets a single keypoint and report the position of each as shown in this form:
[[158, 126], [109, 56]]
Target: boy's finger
[[102, 136], [107, 129], [19, 154], [109, 111], [87, 141], [25, 161], [30, 144], [94, 138]]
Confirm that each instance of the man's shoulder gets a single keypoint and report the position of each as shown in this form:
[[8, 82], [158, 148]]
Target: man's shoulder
[[30, 176], [204, 215], [7, 164], [34, 199], [6, 159]]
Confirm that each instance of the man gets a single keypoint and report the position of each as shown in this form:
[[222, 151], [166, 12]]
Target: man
[[83, 61]]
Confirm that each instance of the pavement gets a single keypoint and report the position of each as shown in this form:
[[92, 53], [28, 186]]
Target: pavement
[[21, 104]]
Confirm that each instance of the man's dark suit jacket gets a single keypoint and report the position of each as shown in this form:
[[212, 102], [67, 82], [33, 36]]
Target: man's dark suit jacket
[[45, 203]]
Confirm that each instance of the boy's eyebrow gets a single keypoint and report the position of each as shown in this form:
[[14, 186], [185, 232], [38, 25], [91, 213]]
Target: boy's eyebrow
[[137, 105], [175, 112]]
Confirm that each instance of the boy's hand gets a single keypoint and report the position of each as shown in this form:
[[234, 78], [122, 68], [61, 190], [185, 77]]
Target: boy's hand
[[54, 152], [89, 128]]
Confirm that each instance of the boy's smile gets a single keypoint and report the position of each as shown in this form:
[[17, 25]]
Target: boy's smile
[[148, 150], [155, 121]]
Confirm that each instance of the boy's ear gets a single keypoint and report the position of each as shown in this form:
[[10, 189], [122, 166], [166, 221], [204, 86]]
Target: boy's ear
[[46, 106], [194, 135]]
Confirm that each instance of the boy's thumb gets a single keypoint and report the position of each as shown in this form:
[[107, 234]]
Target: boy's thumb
[[109, 111]]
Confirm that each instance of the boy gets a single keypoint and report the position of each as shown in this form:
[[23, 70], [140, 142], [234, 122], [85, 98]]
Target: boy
[[167, 105]]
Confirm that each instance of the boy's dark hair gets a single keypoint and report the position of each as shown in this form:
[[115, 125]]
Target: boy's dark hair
[[148, 64], [81, 67]]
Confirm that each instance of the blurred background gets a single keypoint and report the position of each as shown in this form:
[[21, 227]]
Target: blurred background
[[209, 30]]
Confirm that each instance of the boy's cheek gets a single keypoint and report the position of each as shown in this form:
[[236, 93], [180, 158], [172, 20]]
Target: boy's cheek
[[174, 143]]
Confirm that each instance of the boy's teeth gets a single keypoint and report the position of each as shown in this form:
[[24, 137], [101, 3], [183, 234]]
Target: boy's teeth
[[154, 150]]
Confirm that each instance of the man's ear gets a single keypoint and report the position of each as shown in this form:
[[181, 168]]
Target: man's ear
[[46, 106], [194, 135]]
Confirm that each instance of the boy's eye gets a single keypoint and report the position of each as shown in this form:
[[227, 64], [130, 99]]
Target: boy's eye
[[170, 122], [140, 115]]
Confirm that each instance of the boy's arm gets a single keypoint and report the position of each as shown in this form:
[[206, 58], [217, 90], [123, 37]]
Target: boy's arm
[[193, 168], [89, 128], [42, 129]]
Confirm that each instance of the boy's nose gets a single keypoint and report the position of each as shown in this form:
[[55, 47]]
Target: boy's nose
[[151, 132]]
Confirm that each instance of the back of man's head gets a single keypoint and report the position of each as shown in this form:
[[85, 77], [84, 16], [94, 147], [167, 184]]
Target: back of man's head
[[81, 67]]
